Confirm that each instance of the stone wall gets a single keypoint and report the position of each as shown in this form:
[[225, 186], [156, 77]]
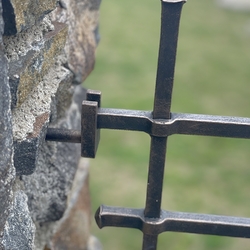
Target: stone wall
[[47, 49]]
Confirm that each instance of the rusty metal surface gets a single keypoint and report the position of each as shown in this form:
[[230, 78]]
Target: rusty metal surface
[[159, 124], [173, 222], [170, 18], [189, 124], [63, 135], [90, 134], [174, 1]]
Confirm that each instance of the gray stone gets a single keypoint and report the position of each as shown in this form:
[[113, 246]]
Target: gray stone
[[19, 231], [81, 16], [31, 55], [43, 234], [48, 186], [26, 154], [25, 118], [31, 119], [7, 170], [40, 74], [20, 16], [63, 98], [72, 231], [6, 151]]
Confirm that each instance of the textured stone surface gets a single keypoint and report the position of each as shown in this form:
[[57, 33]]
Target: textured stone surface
[[25, 157], [82, 19], [48, 186], [37, 104], [43, 233], [21, 15], [7, 171], [31, 55], [72, 231], [19, 231], [63, 98], [30, 120], [41, 76]]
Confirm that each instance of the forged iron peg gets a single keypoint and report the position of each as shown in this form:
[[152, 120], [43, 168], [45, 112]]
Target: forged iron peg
[[94, 96], [90, 135], [63, 135]]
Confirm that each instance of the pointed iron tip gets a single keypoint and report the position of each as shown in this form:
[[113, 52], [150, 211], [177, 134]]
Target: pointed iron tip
[[174, 1], [98, 218]]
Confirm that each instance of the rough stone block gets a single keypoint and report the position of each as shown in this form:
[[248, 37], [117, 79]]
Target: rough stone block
[[35, 203], [31, 119], [19, 233], [21, 15], [26, 151], [31, 54], [72, 231], [7, 170], [56, 161], [48, 187], [62, 99], [82, 19]]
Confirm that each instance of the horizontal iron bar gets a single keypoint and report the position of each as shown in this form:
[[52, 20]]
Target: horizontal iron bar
[[174, 222], [174, 1], [124, 119], [63, 135], [191, 124]]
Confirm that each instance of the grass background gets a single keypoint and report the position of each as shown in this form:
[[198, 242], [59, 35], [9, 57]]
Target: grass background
[[203, 174]]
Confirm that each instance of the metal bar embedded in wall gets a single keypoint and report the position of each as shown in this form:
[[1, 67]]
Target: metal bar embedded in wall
[[159, 124], [189, 124]]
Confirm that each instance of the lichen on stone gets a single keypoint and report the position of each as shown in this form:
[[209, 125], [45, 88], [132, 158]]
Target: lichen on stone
[[37, 103], [20, 44]]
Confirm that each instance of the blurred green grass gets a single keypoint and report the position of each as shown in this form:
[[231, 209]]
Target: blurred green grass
[[203, 174]]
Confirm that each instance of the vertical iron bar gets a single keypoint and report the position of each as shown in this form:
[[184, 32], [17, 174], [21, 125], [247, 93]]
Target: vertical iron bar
[[164, 84], [155, 177], [154, 187], [170, 19], [149, 242]]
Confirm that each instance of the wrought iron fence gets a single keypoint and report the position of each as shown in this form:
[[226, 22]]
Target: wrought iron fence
[[159, 124]]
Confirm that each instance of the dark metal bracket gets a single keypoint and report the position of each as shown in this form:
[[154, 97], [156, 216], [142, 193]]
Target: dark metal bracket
[[95, 118], [159, 124]]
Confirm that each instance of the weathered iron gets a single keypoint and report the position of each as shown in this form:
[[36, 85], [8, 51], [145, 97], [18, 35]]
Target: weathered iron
[[159, 124]]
